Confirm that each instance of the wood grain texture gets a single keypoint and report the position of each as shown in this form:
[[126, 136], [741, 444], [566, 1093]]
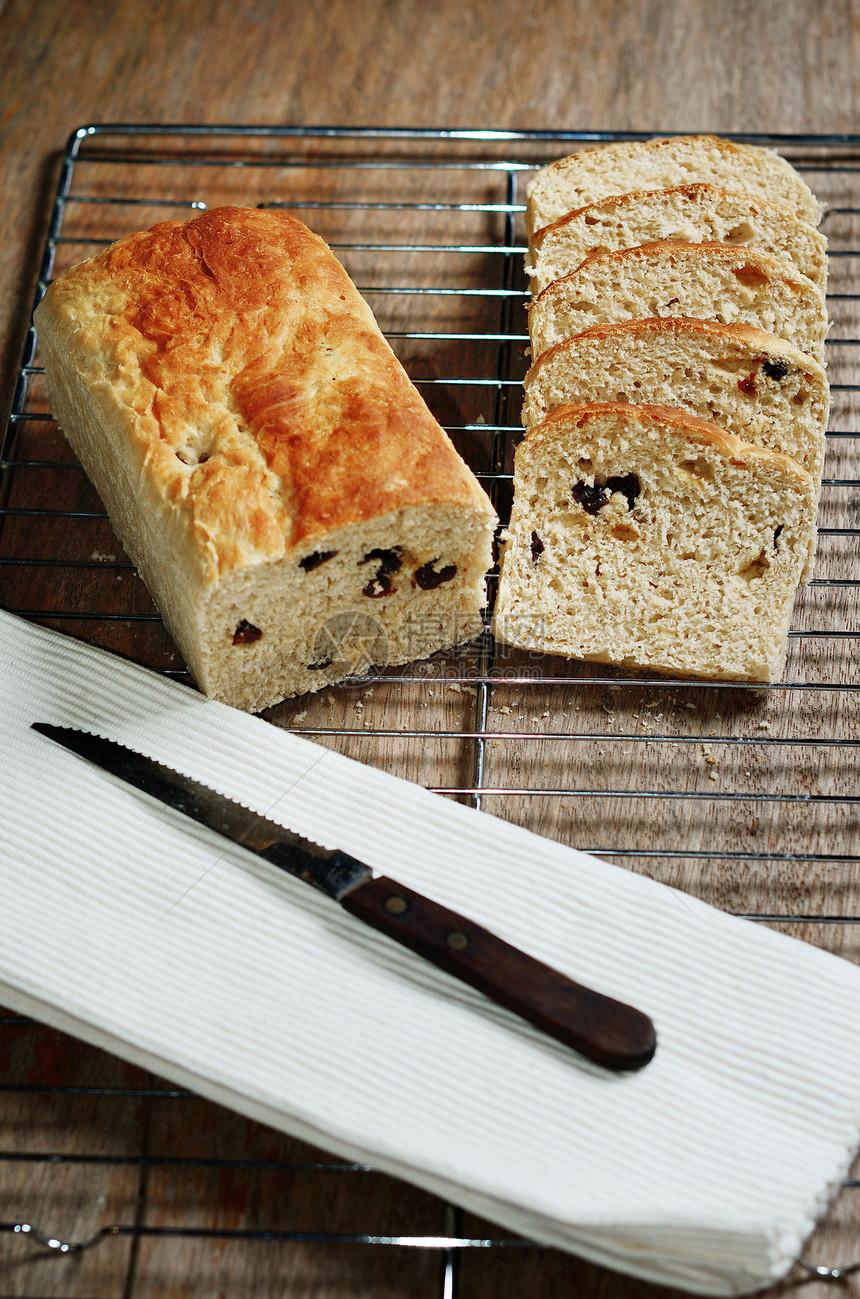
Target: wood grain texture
[[718, 65], [560, 64]]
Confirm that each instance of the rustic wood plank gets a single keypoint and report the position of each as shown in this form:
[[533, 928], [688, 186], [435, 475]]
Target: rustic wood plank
[[613, 64], [62, 1161]]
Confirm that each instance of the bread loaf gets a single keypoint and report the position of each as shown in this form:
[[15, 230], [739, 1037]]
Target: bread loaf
[[699, 281], [697, 213], [619, 168], [292, 505], [738, 377], [653, 540]]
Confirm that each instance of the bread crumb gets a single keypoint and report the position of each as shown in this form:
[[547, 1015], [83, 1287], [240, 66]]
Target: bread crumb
[[300, 717], [712, 775], [709, 757], [101, 557]]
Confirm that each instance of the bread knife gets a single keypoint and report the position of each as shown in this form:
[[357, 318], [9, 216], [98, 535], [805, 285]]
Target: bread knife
[[606, 1031]]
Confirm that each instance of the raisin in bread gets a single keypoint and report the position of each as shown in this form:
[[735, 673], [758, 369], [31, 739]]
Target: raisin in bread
[[595, 173], [650, 539], [699, 281], [698, 213], [294, 508], [736, 376]]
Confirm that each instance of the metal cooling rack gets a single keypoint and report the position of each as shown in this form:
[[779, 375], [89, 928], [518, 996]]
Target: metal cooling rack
[[747, 796]]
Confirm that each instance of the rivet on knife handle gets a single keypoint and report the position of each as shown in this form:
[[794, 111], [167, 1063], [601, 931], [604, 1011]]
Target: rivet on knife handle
[[604, 1030]]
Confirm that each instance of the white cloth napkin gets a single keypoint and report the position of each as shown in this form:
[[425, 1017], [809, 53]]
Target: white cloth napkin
[[142, 933]]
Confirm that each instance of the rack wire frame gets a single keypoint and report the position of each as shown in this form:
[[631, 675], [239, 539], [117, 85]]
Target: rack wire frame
[[341, 162]]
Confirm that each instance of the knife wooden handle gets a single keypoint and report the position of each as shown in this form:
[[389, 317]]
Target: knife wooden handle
[[609, 1032]]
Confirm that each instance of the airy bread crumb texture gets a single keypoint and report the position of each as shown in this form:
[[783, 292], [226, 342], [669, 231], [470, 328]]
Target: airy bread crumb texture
[[698, 281], [698, 213], [647, 538], [387, 591], [622, 167]]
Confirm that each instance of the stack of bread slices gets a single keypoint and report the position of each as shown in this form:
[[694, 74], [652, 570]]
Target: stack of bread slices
[[666, 490]]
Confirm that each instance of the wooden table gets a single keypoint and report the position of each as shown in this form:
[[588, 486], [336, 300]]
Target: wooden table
[[153, 1161]]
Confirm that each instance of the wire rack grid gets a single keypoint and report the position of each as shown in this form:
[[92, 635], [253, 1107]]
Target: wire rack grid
[[746, 797]]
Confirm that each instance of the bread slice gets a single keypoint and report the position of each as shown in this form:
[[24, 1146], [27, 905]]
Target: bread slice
[[594, 173], [294, 508], [700, 281], [698, 213], [650, 539], [744, 380]]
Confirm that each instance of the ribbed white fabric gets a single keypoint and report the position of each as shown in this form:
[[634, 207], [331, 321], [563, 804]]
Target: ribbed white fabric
[[139, 931]]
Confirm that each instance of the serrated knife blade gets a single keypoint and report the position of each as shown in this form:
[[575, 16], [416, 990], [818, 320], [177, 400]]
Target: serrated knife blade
[[604, 1030]]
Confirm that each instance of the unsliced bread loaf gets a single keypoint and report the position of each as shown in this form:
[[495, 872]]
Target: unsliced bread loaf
[[700, 281], [619, 168], [291, 503], [648, 538], [690, 213], [738, 377]]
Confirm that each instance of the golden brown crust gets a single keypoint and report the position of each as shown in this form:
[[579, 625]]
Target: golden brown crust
[[253, 383]]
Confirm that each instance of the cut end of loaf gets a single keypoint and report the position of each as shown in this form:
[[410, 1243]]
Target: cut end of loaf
[[396, 589]]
